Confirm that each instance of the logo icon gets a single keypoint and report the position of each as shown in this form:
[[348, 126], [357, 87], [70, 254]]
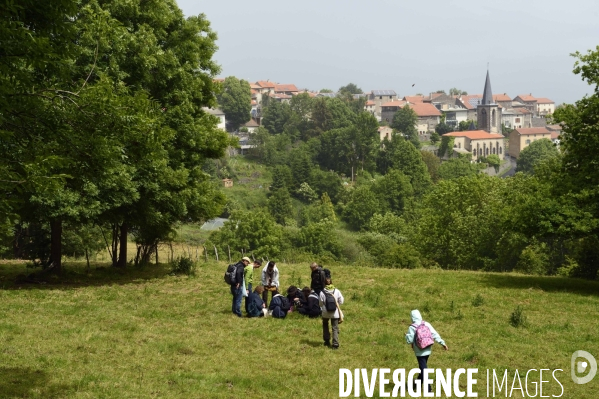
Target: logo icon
[[582, 366]]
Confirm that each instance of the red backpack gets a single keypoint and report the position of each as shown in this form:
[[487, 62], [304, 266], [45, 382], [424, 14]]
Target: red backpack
[[422, 336]]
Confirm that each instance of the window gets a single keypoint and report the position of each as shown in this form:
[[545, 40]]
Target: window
[[493, 151], [483, 119], [487, 151], [499, 150], [459, 145], [480, 152], [380, 97], [474, 152], [527, 141], [517, 120], [493, 118]]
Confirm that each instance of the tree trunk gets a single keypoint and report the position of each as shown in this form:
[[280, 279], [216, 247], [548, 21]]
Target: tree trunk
[[123, 247], [115, 244], [56, 244]]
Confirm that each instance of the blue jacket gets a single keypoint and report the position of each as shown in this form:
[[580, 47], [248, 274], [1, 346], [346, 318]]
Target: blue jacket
[[275, 307], [411, 335]]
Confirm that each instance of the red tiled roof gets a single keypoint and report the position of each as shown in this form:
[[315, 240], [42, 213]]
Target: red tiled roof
[[285, 88], [544, 101], [501, 97], [265, 85], [526, 97], [280, 95], [413, 99], [555, 135], [393, 104], [425, 109], [254, 86], [251, 123], [522, 110], [532, 130], [475, 135], [369, 103]]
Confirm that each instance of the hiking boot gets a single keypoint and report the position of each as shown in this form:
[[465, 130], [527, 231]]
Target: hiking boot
[[327, 343], [335, 346]]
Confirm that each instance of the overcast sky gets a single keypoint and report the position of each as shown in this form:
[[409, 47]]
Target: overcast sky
[[393, 44]]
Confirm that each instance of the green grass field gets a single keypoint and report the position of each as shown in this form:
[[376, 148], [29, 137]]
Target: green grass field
[[146, 334]]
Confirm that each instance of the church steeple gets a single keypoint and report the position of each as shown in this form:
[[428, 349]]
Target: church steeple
[[487, 94]]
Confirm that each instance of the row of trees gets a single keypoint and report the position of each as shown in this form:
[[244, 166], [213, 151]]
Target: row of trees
[[102, 124]]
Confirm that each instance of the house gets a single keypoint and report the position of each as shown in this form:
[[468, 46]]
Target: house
[[469, 102], [454, 115], [288, 89], [251, 125], [413, 99], [222, 124], [385, 132], [428, 117], [478, 143], [265, 87], [522, 137], [516, 118], [389, 108], [545, 106], [503, 100], [280, 97], [369, 107], [530, 103], [227, 183], [379, 97], [328, 95]]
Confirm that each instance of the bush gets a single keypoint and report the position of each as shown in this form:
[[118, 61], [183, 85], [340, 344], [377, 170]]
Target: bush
[[518, 319], [183, 265]]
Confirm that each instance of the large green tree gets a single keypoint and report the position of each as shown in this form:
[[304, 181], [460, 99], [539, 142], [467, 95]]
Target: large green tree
[[235, 100], [404, 121], [538, 151]]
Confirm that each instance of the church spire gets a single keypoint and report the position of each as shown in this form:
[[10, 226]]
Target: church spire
[[487, 94]]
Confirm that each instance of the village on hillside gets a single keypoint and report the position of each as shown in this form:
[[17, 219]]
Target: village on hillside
[[483, 124]]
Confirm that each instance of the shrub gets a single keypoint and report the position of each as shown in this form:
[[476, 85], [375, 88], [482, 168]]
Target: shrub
[[183, 265], [478, 300], [518, 319]]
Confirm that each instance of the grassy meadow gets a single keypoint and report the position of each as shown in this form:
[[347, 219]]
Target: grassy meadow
[[141, 333]]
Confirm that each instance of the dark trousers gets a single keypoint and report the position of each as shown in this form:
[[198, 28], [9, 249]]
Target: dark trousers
[[236, 302], [326, 335], [422, 364], [249, 291], [265, 295]]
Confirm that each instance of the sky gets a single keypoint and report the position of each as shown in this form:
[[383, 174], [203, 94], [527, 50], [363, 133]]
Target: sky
[[393, 44]]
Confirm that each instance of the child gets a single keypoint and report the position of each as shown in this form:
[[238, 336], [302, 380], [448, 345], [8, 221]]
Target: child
[[270, 281], [309, 304], [329, 314], [426, 338]]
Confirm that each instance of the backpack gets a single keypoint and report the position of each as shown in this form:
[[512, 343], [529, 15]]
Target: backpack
[[285, 305], [231, 274], [327, 273], [423, 336], [330, 304]]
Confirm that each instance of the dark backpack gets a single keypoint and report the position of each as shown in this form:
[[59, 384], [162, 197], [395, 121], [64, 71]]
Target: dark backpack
[[231, 274], [327, 273], [285, 305], [330, 304]]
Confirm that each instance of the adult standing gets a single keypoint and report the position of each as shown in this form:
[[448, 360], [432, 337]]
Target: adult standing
[[270, 281], [329, 314], [236, 289], [317, 278]]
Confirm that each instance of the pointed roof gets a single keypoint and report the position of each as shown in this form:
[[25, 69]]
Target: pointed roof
[[487, 94]]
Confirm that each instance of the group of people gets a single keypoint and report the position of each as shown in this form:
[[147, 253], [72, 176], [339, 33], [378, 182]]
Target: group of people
[[321, 299]]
